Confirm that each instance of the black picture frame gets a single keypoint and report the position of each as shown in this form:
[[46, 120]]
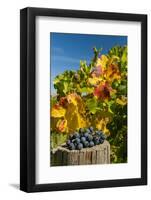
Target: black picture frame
[[28, 98]]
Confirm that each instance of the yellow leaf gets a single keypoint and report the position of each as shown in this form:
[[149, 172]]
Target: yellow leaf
[[112, 73], [57, 111], [94, 81], [122, 101], [101, 125], [72, 98], [74, 118], [71, 117], [102, 61]]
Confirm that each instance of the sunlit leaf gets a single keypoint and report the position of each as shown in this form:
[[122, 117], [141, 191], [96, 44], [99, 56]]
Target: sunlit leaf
[[92, 105], [58, 111], [122, 101]]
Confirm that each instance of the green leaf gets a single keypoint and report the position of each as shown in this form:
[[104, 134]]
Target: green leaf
[[57, 139], [92, 105], [65, 90], [122, 89], [124, 56], [86, 90]]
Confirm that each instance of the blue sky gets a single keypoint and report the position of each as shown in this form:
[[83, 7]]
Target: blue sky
[[66, 50]]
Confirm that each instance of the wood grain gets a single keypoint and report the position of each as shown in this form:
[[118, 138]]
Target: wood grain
[[99, 154]]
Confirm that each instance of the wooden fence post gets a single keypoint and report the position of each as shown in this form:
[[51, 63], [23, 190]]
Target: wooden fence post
[[99, 154]]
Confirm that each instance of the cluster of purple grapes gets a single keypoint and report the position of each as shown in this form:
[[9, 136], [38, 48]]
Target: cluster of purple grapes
[[85, 137]]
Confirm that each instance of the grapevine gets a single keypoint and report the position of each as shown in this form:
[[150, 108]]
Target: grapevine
[[95, 96]]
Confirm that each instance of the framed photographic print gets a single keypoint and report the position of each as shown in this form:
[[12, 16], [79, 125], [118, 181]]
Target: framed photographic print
[[83, 99]]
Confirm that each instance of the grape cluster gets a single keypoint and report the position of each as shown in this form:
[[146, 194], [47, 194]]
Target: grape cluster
[[85, 137]]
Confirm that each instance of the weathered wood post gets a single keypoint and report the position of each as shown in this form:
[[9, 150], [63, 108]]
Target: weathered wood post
[[99, 154]]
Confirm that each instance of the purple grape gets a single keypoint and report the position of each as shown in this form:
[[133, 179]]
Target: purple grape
[[83, 139], [86, 135], [68, 142], [77, 140], [76, 135], [96, 140], [91, 144], [88, 131], [79, 146], [90, 137], [71, 146], [86, 144]]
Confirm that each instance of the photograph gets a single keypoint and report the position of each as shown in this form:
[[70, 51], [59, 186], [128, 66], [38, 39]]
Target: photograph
[[88, 99]]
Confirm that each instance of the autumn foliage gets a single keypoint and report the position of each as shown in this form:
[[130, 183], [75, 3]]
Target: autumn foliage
[[94, 95]]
